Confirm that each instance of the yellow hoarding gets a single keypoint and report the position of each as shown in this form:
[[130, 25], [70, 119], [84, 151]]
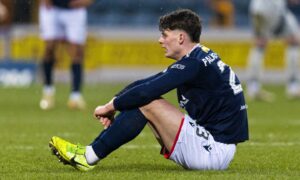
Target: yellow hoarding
[[101, 52]]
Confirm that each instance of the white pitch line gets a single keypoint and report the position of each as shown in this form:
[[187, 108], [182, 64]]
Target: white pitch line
[[272, 144], [295, 122], [19, 147], [154, 146], [133, 146]]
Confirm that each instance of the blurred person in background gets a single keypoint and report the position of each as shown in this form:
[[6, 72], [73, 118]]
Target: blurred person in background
[[3, 12], [223, 13], [5, 26], [273, 19], [63, 20]]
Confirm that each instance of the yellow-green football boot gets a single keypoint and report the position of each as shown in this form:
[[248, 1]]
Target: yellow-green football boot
[[70, 154]]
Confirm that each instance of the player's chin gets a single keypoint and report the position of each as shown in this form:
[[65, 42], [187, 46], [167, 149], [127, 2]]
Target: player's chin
[[169, 56]]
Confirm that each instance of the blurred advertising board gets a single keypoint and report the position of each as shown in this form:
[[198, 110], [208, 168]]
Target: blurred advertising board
[[17, 74]]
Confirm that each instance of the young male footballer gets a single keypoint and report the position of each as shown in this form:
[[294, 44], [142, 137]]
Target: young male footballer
[[205, 138]]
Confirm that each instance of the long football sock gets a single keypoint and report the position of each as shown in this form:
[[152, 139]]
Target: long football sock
[[76, 70], [255, 70], [91, 156], [127, 125], [47, 70], [292, 58]]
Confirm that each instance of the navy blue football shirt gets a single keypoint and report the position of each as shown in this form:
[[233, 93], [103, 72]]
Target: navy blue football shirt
[[207, 89]]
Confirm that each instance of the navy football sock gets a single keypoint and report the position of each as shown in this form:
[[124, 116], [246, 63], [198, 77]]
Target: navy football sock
[[127, 125], [47, 70], [76, 70]]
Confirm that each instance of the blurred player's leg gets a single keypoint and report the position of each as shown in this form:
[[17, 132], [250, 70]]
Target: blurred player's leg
[[292, 57], [51, 31], [47, 101], [255, 71], [76, 100], [255, 65], [76, 36]]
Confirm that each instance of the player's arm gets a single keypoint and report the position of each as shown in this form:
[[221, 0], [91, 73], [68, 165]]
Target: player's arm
[[105, 114], [179, 73], [80, 3], [143, 92], [136, 83]]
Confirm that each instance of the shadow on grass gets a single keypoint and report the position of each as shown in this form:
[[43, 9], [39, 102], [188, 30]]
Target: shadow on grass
[[140, 167]]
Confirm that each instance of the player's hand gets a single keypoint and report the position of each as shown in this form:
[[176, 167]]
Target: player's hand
[[106, 122], [80, 3], [105, 115]]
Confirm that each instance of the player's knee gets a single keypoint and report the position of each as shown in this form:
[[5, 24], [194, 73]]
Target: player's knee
[[261, 43], [77, 53], [147, 108], [152, 105], [49, 55], [77, 60]]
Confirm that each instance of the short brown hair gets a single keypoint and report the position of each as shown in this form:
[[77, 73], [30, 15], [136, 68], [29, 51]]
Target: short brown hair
[[182, 19]]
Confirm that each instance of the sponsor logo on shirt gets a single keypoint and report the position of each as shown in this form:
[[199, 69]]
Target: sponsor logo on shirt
[[178, 66], [208, 148], [243, 107]]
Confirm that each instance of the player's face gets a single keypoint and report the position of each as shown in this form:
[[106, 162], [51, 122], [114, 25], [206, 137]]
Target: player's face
[[169, 40]]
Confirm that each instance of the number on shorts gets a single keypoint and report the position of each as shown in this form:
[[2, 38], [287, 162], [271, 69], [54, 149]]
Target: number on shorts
[[202, 133]]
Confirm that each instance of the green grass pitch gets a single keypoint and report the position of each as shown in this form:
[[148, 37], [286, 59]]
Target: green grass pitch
[[272, 153]]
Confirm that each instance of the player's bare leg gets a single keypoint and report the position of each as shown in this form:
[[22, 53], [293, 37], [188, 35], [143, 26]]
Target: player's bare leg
[[166, 119], [155, 133]]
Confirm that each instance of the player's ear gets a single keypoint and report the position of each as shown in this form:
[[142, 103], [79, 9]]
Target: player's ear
[[181, 38]]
